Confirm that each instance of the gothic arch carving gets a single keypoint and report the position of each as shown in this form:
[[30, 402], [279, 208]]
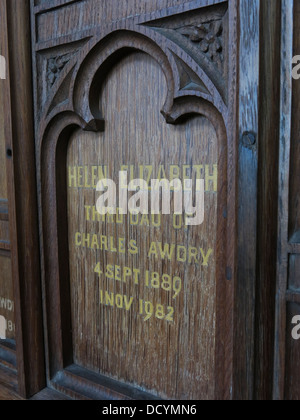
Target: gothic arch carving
[[74, 103], [79, 82]]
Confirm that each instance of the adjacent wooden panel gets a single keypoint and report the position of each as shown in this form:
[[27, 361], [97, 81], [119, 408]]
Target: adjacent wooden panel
[[286, 372], [294, 273], [8, 386], [247, 218], [3, 181], [292, 377], [172, 354], [267, 236], [7, 305], [19, 135], [294, 208]]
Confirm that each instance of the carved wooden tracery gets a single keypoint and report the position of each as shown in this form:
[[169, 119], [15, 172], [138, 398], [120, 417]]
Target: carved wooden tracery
[[192, 49]]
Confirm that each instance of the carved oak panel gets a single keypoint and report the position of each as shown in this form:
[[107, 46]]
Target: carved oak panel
[[136, 304]]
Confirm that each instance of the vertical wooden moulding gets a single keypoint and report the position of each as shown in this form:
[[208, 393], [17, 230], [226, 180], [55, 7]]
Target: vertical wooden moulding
[[247, 199], [269, 112], [283, 201], [23, 203]]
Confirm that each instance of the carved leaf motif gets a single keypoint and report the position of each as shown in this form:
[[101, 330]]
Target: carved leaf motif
[[209, 38], [55, 67]]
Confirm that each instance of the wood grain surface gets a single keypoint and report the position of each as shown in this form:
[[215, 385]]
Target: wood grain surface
[[6, 284], [286, 381], [173, 357], [294, 204], [3, 180], [142, 307], [22, 205]]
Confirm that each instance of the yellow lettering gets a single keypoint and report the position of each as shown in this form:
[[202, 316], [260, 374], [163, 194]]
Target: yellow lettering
[[87, 213], [134, 219], [122, 246], [167, 252], [119, 301], [181, 249], [97, 216], [185, 170], [72, 177], [78, 239], [126, 273], [199, 171], [109, 218], [109, 299], [161, 173], [145, 220], [193, 254], [112, 245], [156, 223], [211, 178], [86, 184], [86, 240], [177, 221], [109, 272], [94, 176], [133, 249], [136, 275], [128, 304], [118, 273], [119, 217], [104, 243], [153, 250], [80, 175], [206, 257], [95, 243]]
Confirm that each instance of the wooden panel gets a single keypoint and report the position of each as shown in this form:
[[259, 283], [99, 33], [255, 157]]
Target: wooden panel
[[4, 235], [294, 272], [7, 306], [83, 15], [8, 386], [248, 162], [292, 377], [286, 372], [3, 181], [173, 353], [167, 108], [18, 118], [268, 151], [294, 205], [292, 357]]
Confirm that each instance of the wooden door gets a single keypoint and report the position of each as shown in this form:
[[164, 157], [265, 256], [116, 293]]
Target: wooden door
[[7, 312], [143, 306], [136, 305]]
